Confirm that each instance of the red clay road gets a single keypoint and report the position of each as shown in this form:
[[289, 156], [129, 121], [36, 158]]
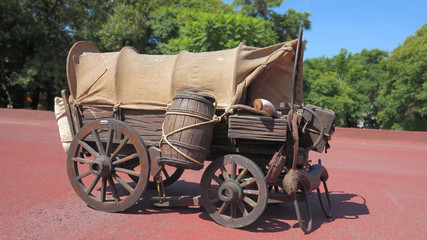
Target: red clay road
[[378, 183]]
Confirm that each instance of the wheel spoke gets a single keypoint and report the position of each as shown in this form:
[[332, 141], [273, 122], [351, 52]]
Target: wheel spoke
[[223, 207], [125, 159], [82, 160], [242, 174], [103, 188], [123, 183], [88, 148], [242, 208], [249, 182], [215, 200], [113, 189], [82, 176], [251, 192], [119, 148], [232, 211], [127, 171], [213, 189], [98, 141], [217, 179], [233, 170], [224, 173], [110, 136], [249, 201], [165, 172], [92, 186]]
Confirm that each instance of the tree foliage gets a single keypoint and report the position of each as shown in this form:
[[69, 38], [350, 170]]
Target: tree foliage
[[35, 35], [355, 79], [221, 31], [371, 89], [34, 40], [404, 90]]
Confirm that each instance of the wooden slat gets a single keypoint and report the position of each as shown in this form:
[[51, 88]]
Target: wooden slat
[[257, 128], [91, 113], [147, 123]]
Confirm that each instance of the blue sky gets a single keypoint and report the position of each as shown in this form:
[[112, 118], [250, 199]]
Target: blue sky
[[357, 25]]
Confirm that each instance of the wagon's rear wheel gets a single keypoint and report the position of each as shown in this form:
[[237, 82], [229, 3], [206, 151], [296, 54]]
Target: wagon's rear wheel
[[98, 172], [169, 174], [233, 190]]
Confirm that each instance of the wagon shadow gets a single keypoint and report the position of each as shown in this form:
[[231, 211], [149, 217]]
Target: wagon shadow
[[345, 206], [274, 219], [178, 188]]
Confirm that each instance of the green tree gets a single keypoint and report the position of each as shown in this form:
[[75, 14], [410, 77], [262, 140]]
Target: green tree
[[35, 38], [171, 23], [355, 79], [128, 26], [324, 89], [364, 74], [222, 31], [404, 93], [35, 35], [33, 44], [257, 8], [285, 25]]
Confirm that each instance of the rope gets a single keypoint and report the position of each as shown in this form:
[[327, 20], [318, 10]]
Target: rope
[[117, 107], [189, 114], [215, 119], [77, 105]]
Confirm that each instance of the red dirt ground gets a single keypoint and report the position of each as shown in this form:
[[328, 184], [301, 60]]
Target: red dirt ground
[[377, 182]]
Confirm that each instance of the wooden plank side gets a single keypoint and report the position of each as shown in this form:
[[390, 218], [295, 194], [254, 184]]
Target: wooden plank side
[[147, 124], [257, 128]]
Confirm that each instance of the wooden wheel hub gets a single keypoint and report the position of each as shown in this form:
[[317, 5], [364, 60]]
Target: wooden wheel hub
[[230, 191], [101, 166]]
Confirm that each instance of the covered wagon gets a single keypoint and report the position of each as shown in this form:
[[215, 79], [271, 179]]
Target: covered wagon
[[130, 115]]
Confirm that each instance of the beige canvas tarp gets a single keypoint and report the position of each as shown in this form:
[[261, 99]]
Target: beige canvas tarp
[[128, 79]]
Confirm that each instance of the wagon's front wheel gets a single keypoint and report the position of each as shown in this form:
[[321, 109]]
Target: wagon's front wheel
[[233, 190], [101, 157]]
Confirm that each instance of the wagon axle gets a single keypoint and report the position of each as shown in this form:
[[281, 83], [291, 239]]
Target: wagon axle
[[101, 166], [230, 191]]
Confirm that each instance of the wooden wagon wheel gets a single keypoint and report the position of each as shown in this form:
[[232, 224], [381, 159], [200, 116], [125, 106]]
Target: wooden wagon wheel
[[233, 190], [96, 171], [169, 174]]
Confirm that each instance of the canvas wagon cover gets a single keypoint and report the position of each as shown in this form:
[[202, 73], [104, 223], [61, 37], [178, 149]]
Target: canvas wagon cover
[[128, 79]]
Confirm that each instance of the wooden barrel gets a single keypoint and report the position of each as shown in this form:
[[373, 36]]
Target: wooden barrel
[[187, 130]]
